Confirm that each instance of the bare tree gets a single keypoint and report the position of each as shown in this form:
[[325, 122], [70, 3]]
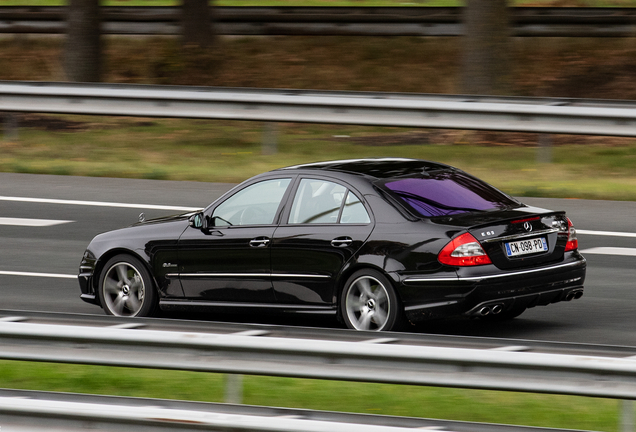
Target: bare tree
[[83, 50], [486, 48], [196, 23]]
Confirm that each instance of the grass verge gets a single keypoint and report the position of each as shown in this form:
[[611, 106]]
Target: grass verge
[[230, 151], [581, 167], [454, 404]]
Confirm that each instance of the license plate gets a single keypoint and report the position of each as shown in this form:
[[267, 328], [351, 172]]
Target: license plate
[[524, 247]]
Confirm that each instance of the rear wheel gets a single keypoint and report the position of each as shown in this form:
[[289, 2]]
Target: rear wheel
[[368, 302], [126, 288]]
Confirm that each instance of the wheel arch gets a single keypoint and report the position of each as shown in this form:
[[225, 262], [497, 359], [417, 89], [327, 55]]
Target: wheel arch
[[349, 271], [106, 256]]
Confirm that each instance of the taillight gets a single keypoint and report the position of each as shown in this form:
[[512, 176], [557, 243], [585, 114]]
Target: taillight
[[464, 250], [572, 243]]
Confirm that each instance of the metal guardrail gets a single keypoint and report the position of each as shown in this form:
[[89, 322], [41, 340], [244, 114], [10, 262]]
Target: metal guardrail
[[361, 21], [518, 114], [44, 411], [264, 331], [372, 361], [465, 362]]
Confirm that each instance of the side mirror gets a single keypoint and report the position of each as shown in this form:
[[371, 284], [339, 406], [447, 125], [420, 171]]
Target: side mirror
[[198, 221]]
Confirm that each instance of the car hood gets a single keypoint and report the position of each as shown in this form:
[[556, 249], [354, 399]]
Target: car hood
[[141, 235]]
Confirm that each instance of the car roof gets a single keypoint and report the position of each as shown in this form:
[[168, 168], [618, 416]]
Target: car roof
[[380, 168]]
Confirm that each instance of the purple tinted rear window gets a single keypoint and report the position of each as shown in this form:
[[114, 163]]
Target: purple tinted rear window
[[448, 193]]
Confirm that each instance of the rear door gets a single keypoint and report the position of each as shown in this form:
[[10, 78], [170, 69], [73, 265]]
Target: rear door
[[325, 226]]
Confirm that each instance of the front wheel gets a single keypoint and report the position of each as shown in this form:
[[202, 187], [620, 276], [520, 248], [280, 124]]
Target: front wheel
[[126, 288], [368, 302]]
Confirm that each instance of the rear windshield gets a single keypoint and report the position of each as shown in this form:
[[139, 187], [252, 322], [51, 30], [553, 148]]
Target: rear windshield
[[444, 193]]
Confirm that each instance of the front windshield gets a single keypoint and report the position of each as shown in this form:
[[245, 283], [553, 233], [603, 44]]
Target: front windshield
[[448, 192]]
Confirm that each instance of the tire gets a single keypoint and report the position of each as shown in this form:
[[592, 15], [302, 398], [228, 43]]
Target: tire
[[126, 288], [369, 302]]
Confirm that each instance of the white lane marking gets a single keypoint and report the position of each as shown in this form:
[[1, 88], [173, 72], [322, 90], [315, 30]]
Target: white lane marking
[[610, 251], [606, 233], [32, 222], [98, 203], [47, 275]]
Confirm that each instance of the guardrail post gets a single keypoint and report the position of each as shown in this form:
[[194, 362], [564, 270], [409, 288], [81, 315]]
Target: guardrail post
[[544, 151], [270, 138], [233, 388], [627, 416], [10, 126]]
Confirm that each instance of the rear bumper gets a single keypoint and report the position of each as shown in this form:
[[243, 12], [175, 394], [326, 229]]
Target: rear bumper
[[486, 286]]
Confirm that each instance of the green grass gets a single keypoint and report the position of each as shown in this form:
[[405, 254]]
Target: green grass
[[231, 151], [582, 167], [454, 404]]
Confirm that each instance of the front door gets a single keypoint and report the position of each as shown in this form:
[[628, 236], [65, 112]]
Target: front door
[[230, 261]]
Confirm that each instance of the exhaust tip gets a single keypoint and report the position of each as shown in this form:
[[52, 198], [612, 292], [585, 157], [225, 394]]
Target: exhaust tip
[[569, 296], [484, 311], [497, 309], [578, 294]]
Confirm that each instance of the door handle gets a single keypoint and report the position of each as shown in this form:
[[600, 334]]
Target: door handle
[[341, 242], [259, 242]]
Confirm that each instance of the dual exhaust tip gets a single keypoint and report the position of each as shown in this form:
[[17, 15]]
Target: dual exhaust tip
[[495, 309], [572, 295]]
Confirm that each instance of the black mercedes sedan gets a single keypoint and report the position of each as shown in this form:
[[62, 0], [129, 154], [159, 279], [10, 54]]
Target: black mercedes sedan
[[377, 243]]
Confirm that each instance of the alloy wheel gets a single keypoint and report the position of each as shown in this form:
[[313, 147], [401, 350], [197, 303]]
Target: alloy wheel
[[367, 304], [123, 289]]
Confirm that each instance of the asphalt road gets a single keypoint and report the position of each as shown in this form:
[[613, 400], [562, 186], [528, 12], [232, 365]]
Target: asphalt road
[[47, 257]]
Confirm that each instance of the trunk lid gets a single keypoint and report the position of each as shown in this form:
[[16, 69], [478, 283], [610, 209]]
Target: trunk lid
[[519, 237]]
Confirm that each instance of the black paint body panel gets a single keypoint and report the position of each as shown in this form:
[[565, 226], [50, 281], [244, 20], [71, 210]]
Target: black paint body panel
[[300, 270]]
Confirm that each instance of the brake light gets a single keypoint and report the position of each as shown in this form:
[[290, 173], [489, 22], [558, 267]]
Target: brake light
[[573, 243], [463, 251]]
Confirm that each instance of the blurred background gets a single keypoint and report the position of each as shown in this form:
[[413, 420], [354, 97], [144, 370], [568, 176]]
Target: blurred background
[[483, 47], [496, 48]]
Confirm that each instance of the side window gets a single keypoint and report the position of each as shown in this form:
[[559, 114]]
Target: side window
[[317, 201], [354, 211], [255, 205]]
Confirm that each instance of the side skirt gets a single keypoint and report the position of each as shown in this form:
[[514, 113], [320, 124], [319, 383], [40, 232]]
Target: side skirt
[[195, 305]]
